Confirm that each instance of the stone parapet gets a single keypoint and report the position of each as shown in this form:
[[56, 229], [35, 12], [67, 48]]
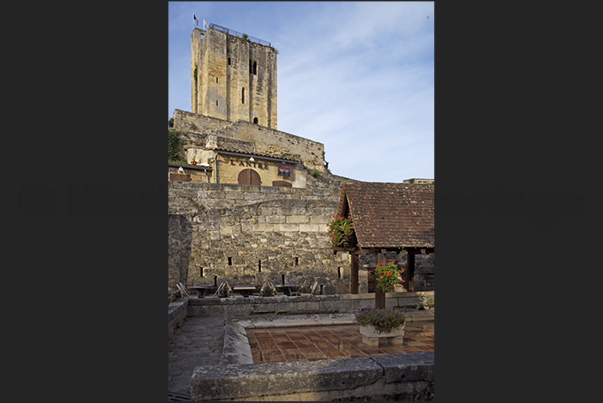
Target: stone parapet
[[177, 312], [389, 377], [308, 304]]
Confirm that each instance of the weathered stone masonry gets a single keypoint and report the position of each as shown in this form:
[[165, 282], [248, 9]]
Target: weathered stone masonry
[[249, 234]]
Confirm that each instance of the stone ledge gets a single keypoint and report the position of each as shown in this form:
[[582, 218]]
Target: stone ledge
[[175, 307], [407, 367], [306, 304], [297, 320], [405, 375], [177, 312], [236, 348], [281, 378]]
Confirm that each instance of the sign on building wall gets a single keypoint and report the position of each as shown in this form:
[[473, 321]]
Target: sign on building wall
[[284, 170]]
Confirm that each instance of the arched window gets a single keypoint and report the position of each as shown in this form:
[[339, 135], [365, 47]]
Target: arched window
[[255, 120]]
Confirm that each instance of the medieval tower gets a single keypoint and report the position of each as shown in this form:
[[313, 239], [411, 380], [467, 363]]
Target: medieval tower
[[233, 76]]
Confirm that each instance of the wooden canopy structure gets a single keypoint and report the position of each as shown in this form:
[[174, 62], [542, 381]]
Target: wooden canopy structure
[[387, 217]]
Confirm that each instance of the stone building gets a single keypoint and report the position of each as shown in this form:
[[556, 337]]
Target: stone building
[[418, 181], [233, 76], [252, 202]]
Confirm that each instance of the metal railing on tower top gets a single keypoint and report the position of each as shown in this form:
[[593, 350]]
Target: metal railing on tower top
[[238, 34]]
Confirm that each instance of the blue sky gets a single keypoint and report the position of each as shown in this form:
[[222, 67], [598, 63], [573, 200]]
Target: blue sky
[[355, 76]]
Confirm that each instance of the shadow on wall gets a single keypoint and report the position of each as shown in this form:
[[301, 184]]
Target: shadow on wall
[[179, 248]]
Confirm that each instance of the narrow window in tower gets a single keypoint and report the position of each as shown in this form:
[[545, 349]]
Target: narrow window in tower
[[255, 68], [243, 95], [216, 102], [229, 61], [255, 120], [216, 79]]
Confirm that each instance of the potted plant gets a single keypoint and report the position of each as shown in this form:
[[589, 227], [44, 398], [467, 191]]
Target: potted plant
[[375, 323], [341, 231]]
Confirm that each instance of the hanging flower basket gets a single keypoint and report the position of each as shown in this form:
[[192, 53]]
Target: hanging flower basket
[[340, 231]]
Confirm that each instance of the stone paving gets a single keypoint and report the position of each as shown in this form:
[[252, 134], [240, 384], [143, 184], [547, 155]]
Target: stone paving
[[198, 342], [339, 341]]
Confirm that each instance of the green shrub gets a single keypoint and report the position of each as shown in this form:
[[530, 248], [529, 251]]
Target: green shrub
[[384, 320], [175, 144]]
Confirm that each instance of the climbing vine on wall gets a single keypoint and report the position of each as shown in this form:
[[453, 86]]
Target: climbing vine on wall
[[175, 144]]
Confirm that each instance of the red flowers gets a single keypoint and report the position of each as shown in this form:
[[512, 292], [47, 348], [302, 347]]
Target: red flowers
[[340, 229], [388, 275]]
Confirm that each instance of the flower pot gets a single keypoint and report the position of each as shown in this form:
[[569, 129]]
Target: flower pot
[[370, 335]]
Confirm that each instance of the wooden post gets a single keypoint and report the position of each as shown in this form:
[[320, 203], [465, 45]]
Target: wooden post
[[354, 274], [410, 271], [380, 295]]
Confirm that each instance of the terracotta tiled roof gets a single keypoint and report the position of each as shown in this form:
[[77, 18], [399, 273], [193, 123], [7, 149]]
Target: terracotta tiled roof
[[390, 215], [188, 166], [254, 154]]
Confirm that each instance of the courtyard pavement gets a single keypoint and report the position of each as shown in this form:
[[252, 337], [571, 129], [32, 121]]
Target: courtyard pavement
[[200, 341]]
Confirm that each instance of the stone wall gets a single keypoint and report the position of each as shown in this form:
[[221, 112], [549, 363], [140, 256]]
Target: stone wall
[[196, 123], [250, 234], [280, 305], [266, 140], [196, 175], [179, 241]]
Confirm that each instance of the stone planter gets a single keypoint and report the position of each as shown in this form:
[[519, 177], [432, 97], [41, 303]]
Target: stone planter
[[370, 335]]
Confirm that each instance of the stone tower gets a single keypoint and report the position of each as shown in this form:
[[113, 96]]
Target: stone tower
[[233, 78]]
